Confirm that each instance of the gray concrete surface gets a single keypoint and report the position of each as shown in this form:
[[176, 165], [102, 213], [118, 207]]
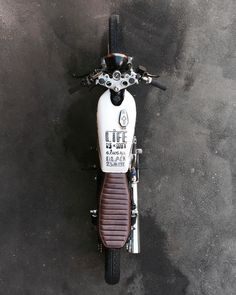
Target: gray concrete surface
[[187, 191]]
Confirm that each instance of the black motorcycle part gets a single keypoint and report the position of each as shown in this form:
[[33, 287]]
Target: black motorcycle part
[[116, 62], [117, 97], [114, 34], [112, 266]]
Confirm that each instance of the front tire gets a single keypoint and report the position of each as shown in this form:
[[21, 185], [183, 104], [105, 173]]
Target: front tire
[[112, 266], [115, 41]]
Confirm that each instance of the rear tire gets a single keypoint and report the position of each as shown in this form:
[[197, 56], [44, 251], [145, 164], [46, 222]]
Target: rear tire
[[115, 34], [112, 266]]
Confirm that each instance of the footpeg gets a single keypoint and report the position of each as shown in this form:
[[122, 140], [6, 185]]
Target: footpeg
[[94, 216], [139, 151]]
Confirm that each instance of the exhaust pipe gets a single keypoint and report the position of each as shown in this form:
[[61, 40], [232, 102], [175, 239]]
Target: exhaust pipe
[[134, 243]]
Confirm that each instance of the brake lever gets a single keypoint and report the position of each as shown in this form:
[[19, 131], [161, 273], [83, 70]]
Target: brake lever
[[152, 76], [144, 73]]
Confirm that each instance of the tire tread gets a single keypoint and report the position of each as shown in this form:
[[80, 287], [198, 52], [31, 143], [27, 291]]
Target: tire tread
[[114, 34], [112, 266]]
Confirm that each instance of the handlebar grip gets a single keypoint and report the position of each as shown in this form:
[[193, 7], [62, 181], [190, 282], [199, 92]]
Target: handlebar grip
[[157, 84], [75, 88]]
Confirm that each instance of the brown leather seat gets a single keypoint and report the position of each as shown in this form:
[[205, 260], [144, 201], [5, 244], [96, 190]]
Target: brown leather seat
[[114, 210]]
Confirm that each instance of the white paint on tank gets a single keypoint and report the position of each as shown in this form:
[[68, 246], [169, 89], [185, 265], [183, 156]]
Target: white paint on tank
[[115, 141]]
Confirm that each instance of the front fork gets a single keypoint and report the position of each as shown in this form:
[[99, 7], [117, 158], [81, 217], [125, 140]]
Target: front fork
[[133, 244]]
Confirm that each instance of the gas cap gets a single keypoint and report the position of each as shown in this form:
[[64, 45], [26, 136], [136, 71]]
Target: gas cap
[[124, 119]]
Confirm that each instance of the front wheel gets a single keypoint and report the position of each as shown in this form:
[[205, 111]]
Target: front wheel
[[112, 266], [114, 34]]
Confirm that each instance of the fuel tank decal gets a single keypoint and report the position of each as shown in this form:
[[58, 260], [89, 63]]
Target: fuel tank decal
[[116, 140], [124, 119]]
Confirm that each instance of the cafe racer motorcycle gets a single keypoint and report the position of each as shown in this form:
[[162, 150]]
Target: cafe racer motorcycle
[[117, 215]]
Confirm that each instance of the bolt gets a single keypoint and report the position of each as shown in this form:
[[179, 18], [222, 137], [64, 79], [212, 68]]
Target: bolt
[[131, 80], [101, 81], [116, 89]]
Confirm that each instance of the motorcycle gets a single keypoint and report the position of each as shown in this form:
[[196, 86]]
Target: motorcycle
[[117, 215]]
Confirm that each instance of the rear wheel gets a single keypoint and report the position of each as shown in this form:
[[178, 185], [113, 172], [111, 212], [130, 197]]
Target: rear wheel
[[112, 266], [115, 41]]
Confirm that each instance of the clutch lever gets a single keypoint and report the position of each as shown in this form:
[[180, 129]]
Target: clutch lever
[[76, 76]]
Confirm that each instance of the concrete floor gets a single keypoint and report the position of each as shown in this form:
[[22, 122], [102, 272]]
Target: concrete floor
[[187, 191]]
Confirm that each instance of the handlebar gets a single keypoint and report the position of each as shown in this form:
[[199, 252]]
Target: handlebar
[[86, 81], [149, 78], [74, 88], [156, 83], [111, 82]]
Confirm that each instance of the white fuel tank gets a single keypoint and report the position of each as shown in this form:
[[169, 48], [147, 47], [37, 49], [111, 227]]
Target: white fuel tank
[[116, 125]]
